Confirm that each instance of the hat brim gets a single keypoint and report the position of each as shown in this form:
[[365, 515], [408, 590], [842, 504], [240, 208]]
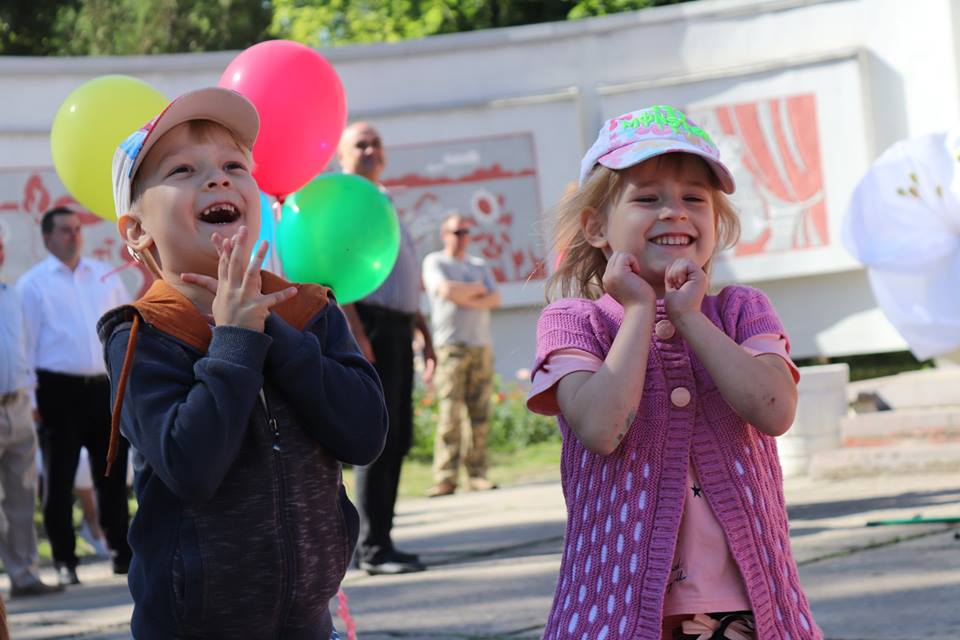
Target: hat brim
[[223, 106], [637, 152]]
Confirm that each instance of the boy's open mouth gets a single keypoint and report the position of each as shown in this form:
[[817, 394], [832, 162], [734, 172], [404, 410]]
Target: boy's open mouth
[[220, 213], [673, 239]]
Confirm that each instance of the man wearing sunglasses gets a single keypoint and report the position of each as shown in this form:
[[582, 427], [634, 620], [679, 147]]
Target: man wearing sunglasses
[[462, 292]]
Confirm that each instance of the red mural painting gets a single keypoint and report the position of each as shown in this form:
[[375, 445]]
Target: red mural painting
[[491, 181], [25, 194], [773, 149]]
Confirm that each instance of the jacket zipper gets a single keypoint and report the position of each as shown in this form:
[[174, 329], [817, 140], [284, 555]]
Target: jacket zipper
[[286, 544], [271, 422]]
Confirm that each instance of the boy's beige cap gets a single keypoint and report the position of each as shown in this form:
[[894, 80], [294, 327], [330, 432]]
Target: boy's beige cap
[[223, 106]]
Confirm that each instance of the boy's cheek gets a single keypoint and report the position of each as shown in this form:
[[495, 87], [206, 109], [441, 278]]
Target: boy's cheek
[[253, 227]]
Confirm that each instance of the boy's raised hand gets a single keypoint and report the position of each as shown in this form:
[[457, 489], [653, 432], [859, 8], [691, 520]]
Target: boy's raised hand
[[238, 300]]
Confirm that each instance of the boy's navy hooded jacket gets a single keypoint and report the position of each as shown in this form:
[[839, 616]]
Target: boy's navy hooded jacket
[[243, 528]]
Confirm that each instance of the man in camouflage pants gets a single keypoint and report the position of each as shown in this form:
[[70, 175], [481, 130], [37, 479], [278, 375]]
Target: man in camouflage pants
[[462, 292]]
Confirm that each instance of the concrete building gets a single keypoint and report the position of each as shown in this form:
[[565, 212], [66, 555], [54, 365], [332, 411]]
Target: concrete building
[[801, 94]]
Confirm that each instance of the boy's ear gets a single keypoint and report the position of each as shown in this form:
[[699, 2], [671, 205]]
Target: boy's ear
[[133, 233], [594, 228]]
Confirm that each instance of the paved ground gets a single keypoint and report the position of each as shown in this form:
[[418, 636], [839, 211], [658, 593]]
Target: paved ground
[[494, 558]]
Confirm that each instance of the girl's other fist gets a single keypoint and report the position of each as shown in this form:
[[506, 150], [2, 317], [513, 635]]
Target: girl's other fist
[[685, 285]]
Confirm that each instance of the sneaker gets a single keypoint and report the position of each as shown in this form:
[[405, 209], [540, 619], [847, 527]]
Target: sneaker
[[391, 566], [405, 557], [37, 588], [67, 575], [444, 488], [481, 484]]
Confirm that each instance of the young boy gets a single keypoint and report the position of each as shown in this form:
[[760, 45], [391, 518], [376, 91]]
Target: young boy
[[240, 393]]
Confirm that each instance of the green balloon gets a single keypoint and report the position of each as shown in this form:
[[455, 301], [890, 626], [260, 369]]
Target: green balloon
[[341, 231]]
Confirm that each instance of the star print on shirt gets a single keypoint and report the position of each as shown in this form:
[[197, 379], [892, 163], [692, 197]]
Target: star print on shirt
[[697, 491]]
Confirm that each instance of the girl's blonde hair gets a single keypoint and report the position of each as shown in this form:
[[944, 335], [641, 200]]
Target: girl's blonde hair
[[580, 266]]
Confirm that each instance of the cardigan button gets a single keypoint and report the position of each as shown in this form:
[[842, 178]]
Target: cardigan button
[[665, 330], [680, 397]]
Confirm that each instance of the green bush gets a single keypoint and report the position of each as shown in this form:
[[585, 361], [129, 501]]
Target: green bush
[[512, 426]]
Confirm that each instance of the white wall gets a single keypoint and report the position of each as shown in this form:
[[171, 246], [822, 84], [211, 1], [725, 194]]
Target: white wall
[[896, 62]]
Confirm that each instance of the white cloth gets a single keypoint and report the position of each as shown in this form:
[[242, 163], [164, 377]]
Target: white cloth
[[903, 224], [61, 308], [15, 371]]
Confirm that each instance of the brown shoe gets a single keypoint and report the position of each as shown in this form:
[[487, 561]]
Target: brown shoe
[[444, 488], [481, 484]]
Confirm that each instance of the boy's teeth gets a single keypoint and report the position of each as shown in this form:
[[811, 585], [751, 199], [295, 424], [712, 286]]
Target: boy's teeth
[[219, 214]]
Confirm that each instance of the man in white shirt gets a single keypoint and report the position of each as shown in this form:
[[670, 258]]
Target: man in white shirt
[[18, 447], [462, 292], [63, 297]]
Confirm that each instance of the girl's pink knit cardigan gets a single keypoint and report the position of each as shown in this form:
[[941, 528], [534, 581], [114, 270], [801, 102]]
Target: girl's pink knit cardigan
[[623, 510]]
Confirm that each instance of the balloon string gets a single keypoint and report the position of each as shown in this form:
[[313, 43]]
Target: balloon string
[[276, 266], [344, 612], [112, 272]]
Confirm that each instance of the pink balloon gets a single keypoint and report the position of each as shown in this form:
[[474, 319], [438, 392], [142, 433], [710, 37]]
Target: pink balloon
[[302, 110]]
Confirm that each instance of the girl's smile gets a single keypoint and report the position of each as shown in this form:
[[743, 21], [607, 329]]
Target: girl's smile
[[673, 240]]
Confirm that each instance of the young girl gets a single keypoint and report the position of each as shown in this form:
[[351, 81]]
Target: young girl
[[669, 401]]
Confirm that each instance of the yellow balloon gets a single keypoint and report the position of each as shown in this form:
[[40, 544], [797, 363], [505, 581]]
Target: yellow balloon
[[94, 119]]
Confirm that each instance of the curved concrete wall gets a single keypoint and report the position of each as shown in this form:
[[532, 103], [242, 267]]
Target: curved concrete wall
[[875, 71]]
